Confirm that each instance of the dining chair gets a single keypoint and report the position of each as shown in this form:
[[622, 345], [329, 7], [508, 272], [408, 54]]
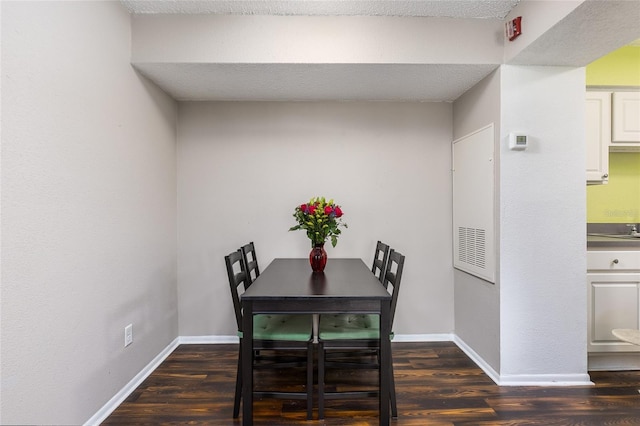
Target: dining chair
[[380, 257], [270, 333], [250, 261], [356, 333]]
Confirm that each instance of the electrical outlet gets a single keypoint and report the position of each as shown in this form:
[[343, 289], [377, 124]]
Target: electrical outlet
[[128, 335]]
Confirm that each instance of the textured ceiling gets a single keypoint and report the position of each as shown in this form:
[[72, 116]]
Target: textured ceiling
[[496, 9], [585, 35]]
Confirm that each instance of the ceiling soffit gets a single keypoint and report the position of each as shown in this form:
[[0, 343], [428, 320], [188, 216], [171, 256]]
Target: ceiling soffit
[[590, 31], [315, 58], [315, 82]]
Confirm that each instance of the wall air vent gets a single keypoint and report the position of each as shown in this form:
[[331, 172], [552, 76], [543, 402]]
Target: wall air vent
[[472, 247]]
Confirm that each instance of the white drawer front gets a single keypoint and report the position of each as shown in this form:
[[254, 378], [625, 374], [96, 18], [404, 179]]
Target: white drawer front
[[613, 260]]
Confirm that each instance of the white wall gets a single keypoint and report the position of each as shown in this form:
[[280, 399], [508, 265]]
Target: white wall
[[243, 167], [247, 39], [477, 302], [542, 236], [88, 211]]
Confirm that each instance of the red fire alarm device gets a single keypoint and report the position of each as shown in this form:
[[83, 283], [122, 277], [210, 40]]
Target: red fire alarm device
[[514, 28]]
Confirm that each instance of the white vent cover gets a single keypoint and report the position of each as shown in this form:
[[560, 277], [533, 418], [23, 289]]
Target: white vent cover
[[472, 247], [473, 204]]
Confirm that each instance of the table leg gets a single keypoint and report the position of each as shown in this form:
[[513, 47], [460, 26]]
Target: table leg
[[247, 364], [315, 324], [385, 360]]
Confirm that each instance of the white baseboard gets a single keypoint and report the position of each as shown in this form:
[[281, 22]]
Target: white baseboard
[[207, 340], [523, 379], [545, 380], [440, 337], [203, 340], [480, 362], [614, 361], [119, 397]]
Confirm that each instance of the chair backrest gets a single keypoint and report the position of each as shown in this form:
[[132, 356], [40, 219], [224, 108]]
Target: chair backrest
[[392, 277], [250, 261], [380, 258], [238, 282]]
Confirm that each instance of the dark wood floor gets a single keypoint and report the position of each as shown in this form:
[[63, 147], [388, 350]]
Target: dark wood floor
[[437, 384]]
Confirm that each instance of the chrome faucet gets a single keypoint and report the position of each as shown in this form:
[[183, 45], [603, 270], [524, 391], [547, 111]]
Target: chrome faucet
[[634, 229]]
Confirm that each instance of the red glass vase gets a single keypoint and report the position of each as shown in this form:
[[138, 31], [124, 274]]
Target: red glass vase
[[318, 258]]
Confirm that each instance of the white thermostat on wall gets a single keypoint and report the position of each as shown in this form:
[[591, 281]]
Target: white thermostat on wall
[[518, 141]]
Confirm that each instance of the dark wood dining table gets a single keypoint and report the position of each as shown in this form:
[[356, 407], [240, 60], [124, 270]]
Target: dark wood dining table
[[289, 286]]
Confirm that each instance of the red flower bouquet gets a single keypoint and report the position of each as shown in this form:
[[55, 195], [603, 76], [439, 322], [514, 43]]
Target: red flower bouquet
[[321, 219]]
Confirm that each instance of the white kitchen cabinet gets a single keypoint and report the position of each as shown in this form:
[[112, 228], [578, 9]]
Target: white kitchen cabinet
[[613, 298], [598, 136], [625, 121], [614, 302]]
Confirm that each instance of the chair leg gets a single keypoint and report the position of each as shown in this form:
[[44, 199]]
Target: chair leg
[[236, 400], [394, 404], [320, 381], [310, 381]]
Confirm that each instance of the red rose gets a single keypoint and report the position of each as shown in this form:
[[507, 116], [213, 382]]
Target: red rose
[[328, 210], [303, 208], [311, 209], [338, 211]]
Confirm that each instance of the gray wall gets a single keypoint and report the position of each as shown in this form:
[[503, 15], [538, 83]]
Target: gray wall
[[244, 166], [88, 211], [477, 302]]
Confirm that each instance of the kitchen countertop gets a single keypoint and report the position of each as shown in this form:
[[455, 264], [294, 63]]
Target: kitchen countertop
[[602, 242], [595, 241]]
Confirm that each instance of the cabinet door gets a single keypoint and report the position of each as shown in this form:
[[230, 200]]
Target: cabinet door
[[598, 136], [626, 120], [614, 302]]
